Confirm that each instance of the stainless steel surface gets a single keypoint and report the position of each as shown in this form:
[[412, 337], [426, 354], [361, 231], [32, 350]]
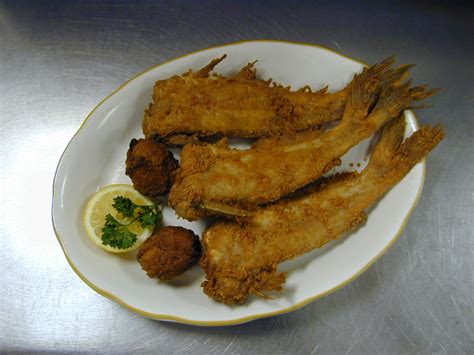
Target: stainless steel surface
[[59, 59]]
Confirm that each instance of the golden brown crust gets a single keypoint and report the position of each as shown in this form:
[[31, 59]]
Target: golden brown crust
[[241, 257], [151, 167], [199, 105], [229, 179], [169, 252]]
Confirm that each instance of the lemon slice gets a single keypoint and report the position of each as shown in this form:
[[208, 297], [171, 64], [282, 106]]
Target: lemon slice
[[100, 204]]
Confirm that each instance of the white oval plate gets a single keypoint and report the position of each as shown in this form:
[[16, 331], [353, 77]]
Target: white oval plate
[[95, 157]]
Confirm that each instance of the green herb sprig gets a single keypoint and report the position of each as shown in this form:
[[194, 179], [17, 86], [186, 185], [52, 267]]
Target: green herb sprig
[[117, 234]]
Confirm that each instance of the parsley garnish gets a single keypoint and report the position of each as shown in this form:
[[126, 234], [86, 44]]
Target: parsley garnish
[[116, 234], [124, 205]]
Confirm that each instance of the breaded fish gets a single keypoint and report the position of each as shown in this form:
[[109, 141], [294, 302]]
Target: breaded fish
[[196, 106], [215, 179], [241, 257]]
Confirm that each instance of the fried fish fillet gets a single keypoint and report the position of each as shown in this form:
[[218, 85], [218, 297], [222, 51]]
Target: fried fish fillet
[[241, 258], [195, 105], [215, 179]]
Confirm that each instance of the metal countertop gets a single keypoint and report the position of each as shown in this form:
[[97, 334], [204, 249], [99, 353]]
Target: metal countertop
[[59, 59]]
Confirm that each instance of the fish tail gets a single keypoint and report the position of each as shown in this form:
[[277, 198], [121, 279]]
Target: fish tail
[[418, 145], [362, 94], [393, 158], [395, 99]]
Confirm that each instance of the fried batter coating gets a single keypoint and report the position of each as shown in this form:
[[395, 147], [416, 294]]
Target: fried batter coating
[[151, 167], [169, 252], [194, 105], [241, 258], [215, 179]]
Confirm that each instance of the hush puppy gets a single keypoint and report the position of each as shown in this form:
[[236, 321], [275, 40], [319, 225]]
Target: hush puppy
[[169, 252], [151, 167]]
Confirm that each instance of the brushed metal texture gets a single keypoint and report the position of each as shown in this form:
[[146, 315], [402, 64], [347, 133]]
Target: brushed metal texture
[[58, 59]]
